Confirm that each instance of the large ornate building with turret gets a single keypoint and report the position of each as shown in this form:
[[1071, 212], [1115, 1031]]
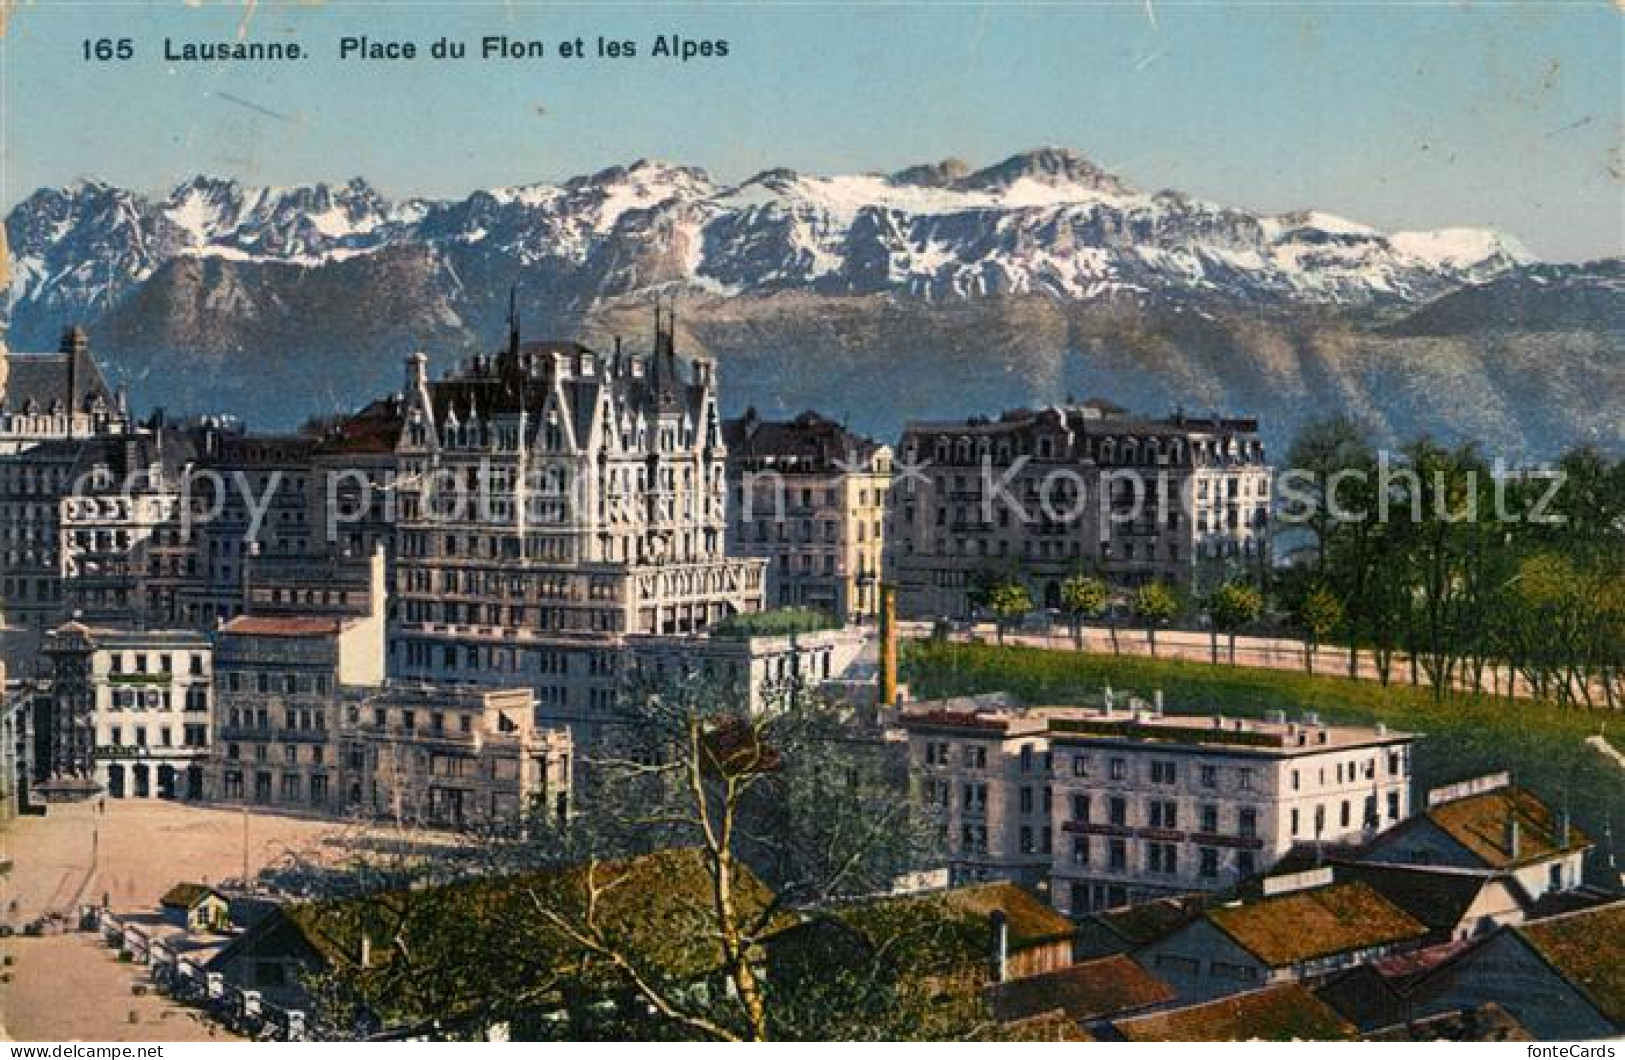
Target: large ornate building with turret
[[554, 501]]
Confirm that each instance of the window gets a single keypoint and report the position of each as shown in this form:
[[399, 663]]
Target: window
[[1027, 758], [1164, 813], [1163, 858], [1080, 808], [1119, 769], [1118, 809], [1026, 839], [1208, 863], [1343, 814], [1210, 776], [1246, 862], [1080, 850], [1294, 820], [1080, 765], [1248, 822], [1026, 798], [1118, 855], [1210, 819], [1164, 772], [1245, 779], [1393, 805]]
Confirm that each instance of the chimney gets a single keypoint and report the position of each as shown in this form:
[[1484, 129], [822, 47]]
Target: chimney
[[1156, 702], [1563, 828], [1001, 945], [1512, 837], [74, 343], [366, 950], [888, 645], [417, 372]]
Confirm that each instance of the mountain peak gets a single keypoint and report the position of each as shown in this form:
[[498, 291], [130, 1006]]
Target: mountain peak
[[1055, 166], [945, 174]]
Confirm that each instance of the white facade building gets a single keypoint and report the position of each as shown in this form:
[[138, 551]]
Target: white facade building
[[1116, 806]]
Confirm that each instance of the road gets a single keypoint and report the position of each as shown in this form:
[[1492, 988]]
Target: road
[[69, 987]]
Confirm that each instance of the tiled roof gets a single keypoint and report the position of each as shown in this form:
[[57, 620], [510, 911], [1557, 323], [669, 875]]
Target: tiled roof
[[809, 439], [1487, 1023], [1588, 949], [1030, 921], [1109, 986], [185, 895], [1044, 1027], [1290, 928], [1282, 1013], [1148, 921], [375, 429], [656, 905], [1479, 823], [284, 626]]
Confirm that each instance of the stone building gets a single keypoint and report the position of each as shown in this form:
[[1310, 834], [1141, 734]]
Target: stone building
[[128, 713], [452, 756], [981, 769], [56, 396], [1151, 804], [50, 404], [1040, 495], [750, 669], [308, 721], [33, 484], [1117, 806], [809, 497], [552, 501], [124, 553], [251, 497]]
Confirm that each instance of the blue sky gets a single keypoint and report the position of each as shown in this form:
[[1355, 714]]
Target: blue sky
[[1401, 116]]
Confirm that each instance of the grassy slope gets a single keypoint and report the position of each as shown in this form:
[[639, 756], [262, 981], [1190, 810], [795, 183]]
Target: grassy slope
[[1543, 745]]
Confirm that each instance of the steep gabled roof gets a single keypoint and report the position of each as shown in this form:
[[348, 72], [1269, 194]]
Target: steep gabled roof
[[1281, 1013], [43, 379], [1588, 949], [1287, 929], [1438, 899]]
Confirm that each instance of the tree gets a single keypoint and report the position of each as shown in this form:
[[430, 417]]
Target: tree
[[1232, 606], [766, 813], [1321, 450], [1083, 597], [1156, 604], [1318, 613], [1008, 600]]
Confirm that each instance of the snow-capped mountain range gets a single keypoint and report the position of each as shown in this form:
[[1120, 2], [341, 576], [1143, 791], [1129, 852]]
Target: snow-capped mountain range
[[1043, 222]]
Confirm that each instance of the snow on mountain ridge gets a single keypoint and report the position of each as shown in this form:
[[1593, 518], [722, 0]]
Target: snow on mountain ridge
[[1046, 221]]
